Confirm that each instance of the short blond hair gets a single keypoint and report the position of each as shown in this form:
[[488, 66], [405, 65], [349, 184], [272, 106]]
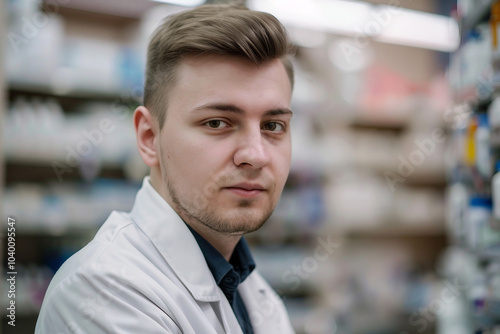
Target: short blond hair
[[210, 29]]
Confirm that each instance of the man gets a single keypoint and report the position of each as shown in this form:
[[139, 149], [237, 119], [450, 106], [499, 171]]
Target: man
[[215, 130]]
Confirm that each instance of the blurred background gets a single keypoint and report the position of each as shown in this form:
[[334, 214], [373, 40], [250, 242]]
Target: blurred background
[[390, 219]]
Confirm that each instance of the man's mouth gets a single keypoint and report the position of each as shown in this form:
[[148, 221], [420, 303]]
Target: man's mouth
[[246, 190]]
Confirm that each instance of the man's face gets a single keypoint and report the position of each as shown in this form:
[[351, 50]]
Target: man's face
[[225, 145]]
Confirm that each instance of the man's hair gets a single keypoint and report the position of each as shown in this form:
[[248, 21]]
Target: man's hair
[[210, 29]]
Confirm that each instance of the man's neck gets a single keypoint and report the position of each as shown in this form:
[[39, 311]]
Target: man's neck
[[223, 243]]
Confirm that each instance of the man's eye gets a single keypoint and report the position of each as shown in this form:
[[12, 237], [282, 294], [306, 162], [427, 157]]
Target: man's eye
[[216, 124], [274, 127]]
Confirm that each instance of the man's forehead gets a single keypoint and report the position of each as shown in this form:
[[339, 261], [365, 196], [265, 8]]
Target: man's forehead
[[205, 62]]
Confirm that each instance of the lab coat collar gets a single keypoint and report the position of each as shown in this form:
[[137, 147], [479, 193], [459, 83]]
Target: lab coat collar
[[170, 235]]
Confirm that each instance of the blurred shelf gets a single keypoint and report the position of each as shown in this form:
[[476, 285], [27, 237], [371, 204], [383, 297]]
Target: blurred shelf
[[389, 230], [491, 254], [478, 14], [129, 9], [363, 123], [40, 230], [283, 239], [436, 181], [492, 309], [42, 162], [20, 170], [303, 292], [495, 139], [44, 89], [429, 179], [395, 231], [424, 175], [473, 98]]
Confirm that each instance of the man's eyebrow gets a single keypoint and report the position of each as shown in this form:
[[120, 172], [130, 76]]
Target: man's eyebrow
[[279, 111], [234, 109]]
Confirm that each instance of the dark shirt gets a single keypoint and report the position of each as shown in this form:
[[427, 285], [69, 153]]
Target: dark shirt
[[228, 275]]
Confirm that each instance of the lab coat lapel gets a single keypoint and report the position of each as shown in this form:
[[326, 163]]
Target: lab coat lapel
[[264, 307], [170, 235], [174, 241], [226, 317]]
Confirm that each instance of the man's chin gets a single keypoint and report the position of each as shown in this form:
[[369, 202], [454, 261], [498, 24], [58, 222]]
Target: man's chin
[[241, 223], [238, 231]]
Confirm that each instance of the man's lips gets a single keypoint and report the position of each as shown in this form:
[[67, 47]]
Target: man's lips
[[248, 186], [247, 190]]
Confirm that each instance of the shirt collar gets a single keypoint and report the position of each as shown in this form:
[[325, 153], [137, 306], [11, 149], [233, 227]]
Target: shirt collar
[[172, 238], [241, 260]]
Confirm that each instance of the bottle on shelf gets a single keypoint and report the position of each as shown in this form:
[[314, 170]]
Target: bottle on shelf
[[470, 143], [495, 192], [482, 145], [494, 120], [495, 27], [479, 215], [457, 202]]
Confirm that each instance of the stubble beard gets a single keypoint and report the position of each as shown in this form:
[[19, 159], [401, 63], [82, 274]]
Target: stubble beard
[[207, 215], [241, 223]]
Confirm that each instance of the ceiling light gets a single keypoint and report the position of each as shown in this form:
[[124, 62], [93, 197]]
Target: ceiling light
[[359, 19], [323, 15], [419, 29], [185, 3]]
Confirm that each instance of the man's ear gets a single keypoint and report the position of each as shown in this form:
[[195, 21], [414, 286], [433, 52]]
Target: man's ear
[[146, 132]]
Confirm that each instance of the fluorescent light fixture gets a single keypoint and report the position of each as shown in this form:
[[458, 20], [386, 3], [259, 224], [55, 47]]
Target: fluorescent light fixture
[[185, 3], [419, 29], [359, 19], [323, 15]]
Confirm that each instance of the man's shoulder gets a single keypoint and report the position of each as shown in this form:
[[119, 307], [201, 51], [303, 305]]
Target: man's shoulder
[[116, 249], [119, 262], [118, 273]]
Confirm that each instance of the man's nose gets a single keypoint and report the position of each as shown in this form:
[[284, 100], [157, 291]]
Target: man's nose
[[252, 150]]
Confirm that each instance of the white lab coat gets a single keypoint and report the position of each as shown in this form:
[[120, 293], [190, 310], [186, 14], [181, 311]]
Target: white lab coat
[[144, 273]]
